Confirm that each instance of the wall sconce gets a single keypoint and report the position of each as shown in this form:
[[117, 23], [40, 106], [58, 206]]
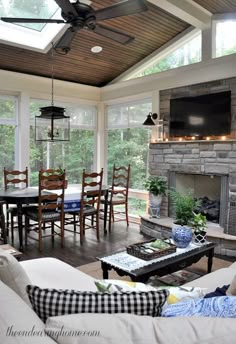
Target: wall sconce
[[149, 120]]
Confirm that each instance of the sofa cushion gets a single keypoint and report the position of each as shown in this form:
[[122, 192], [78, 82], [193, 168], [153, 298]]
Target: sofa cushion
[[133, 329], [214, 279], [53, 273], [13, 275], [52, 302], [18, 322], [223, 307]]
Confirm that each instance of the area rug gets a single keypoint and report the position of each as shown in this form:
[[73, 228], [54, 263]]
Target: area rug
[[176, 279]]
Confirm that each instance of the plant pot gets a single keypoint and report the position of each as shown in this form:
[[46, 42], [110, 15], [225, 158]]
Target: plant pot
[[181, 235], [199, 238], [155, 205]]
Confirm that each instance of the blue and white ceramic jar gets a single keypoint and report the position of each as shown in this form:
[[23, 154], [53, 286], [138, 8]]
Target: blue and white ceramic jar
[[181, 235]]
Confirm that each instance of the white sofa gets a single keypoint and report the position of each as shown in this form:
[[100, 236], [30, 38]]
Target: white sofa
[[16, 315]]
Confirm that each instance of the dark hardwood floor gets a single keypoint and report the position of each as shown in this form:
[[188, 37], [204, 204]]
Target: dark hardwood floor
[[76, 254]]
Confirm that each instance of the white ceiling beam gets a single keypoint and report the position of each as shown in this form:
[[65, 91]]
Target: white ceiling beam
[[187, 10]]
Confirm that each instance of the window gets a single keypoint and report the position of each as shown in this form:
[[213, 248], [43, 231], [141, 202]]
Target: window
[[74, 155], [127, 143], [188, 53], [37, 35], [225, 37], [8, 125]]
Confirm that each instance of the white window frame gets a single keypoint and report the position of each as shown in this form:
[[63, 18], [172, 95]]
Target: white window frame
[[220, 18], [15, 123], [133, 193]]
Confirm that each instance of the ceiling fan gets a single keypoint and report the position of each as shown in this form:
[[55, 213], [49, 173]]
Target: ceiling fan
[[80, 15]]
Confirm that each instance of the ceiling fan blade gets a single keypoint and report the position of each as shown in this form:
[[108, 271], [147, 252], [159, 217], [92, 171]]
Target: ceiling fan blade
[[115, 35], [31, 20], [67, 7], [65, 41], [123, 8]]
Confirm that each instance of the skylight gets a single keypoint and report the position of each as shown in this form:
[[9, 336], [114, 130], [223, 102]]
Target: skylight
[[32, 36]]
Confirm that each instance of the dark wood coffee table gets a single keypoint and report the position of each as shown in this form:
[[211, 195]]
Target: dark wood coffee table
[[140, 270]]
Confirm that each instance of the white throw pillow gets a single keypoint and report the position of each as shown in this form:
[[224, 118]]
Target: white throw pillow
[[18, 322], [134, 329], [13, 275]]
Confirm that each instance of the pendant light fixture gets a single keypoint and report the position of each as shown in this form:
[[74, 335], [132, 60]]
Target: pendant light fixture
[[52, 124]]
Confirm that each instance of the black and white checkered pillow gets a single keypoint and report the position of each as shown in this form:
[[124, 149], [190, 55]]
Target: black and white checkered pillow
[[52, 302]]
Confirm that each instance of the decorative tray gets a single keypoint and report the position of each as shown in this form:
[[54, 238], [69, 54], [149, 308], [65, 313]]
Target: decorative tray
[[145, 250]]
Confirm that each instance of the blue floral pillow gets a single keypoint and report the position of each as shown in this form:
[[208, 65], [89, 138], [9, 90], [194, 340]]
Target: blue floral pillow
[[223, 307]]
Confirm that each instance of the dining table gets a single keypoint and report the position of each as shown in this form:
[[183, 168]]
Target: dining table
[[30, 195]]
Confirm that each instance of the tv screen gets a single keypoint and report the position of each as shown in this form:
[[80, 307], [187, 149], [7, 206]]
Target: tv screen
[[206, 115]]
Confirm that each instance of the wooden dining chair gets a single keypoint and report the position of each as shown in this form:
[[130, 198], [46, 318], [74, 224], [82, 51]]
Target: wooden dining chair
[[88, 215], [50, 208], [118, 195], [14, 178]]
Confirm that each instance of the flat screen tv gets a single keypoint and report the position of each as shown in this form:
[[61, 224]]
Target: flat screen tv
[[205, 115]]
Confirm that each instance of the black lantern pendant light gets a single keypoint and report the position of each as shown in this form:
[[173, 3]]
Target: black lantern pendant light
[[52, 124], [149, 120]]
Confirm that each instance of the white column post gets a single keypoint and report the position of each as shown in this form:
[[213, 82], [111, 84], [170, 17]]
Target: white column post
[[23, 141], [207, 43], [101, 141], [155, 109]]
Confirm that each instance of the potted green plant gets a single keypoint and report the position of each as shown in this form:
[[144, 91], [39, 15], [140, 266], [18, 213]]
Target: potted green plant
[[184, 205], [157, 187], [199, 226]]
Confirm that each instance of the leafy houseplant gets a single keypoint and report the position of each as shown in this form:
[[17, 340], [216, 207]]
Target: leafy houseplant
[[184, 205], [157, 187], [199, 223], [199, 226]]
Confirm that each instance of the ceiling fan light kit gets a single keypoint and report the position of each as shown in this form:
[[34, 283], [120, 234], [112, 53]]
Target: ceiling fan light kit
[[80, 15]]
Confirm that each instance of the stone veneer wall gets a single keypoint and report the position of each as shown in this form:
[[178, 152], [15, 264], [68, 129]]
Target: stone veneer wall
[[199, 157], [197, 90]]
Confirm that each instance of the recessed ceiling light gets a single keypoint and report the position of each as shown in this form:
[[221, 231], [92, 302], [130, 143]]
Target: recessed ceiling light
[[96, 49]]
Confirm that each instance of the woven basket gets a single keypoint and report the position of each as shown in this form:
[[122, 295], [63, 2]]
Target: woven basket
[[137, 250]]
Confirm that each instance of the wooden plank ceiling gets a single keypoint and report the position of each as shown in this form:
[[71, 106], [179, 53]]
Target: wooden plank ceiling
[[151, 30], [216, 6]]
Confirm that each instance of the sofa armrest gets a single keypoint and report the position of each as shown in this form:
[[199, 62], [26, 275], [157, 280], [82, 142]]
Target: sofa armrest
[[53, 273]]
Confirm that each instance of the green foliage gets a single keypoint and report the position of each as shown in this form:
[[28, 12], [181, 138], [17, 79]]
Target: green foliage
[[187, 54], [156, 185], [184, 205], [198, 223], [129, 146]]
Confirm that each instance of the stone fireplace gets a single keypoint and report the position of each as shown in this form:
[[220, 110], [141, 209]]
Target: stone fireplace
[[208, 167], [210, 189]]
